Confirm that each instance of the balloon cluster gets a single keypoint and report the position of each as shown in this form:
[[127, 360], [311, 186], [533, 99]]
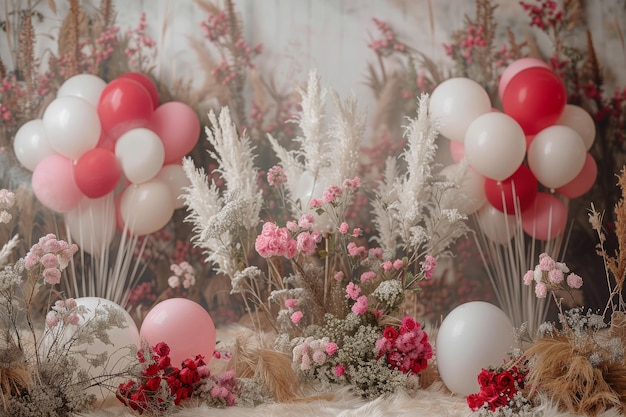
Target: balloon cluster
[[107, 155], [526, 159]]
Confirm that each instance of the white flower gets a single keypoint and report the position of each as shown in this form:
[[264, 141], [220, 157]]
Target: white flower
[[173, 281]]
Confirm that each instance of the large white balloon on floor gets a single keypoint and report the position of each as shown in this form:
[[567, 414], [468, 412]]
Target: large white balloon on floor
[[473, 336]]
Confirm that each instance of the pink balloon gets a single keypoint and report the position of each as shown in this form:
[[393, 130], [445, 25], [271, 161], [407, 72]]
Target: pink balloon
[[457, 150], [184, 325], [546, 218], [178, 127], [583, 181], [53, 184], [516, 67]]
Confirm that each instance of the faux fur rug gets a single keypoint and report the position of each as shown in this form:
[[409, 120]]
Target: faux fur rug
[[426, 403]]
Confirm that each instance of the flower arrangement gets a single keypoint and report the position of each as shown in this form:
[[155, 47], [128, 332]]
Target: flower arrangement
[[333, 303]]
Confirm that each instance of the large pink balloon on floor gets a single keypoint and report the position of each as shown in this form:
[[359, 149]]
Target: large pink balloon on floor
[[178, 127], [53, 184], [546, 218], [184, 325], [535, 98]]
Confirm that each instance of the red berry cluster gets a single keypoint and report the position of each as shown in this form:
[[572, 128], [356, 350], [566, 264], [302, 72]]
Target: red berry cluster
[[160, 382]]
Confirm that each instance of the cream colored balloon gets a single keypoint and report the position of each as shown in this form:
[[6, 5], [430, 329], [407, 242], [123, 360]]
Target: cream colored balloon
[[581, 121], [146, 207], [141, 154], [470, 196], [497, 226], [174, 176]]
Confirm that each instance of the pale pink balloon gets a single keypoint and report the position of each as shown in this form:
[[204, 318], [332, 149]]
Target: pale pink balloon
[[53, 184], [583, 181], [496, 225], [546, 218], [515, 68], [146, 207], [140, 153], [174, 176], [178, 127], [184, 325], [457, 151]]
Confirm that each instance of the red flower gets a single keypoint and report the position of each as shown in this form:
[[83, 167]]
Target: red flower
[[390, 333], [190, 364], [408, 325], [182, 393], [189, 376], [475, 401], [153, 383], [165, 362], [162, 349], [505, 382], [151, 370], [485, 378]]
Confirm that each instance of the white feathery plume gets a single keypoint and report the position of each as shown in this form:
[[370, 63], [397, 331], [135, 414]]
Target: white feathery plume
[[384, 196], [310, 120], [8, 248], [345, 133]]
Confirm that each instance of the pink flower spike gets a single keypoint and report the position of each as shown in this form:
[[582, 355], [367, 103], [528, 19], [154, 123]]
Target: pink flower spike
[[398, 264], [356, 232], [387, 266]]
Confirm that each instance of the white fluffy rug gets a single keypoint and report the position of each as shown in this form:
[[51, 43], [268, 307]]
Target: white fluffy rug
[[427, 403]]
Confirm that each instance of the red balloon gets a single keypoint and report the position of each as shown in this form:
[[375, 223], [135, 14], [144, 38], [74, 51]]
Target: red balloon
[[124, 105], [97, 172], [147, 83], [583, 181], [535, 98], [522, 184], [546, 218]]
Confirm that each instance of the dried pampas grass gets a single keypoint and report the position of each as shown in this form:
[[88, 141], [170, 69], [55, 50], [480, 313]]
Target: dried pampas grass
[[562, 371]]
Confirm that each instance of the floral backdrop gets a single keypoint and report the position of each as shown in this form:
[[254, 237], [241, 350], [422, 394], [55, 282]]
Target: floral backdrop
[[227, 104]]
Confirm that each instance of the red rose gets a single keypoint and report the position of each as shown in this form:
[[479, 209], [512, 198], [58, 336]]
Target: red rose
[[408, 325], [190, 363], [189, 376], [151, 370], [390, 333], [490, 393], [182, 393], [162, 349], [485, 378], [165, 362], [504, 381], [153, 383], [475, 401]]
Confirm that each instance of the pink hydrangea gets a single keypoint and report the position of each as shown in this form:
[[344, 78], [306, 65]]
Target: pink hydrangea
[[292, 226], [343, 228], [276, 176], [296, 317], [331, 348], [306, 243], [541, 290], [353, 291], [546, 263], [574, 281], [275, 241], [428, 266], [360, 307], [368, 276]]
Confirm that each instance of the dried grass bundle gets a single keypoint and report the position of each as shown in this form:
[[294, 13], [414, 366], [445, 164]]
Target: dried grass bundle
[[563, 371], [271, 368]]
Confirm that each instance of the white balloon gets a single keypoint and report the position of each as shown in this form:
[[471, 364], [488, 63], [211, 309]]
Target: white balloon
[[581, 121], [497, 226], [470, 195], [31, 144], [92, 224], [174, 176], [141, 154], [556, 155], [473, 336], [72, 126], [495, 145], [124, 341], [86, 86], [455, 103], [146, 207]]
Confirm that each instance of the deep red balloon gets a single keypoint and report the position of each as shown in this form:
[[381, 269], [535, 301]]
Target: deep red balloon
[[124, 105], [147, 83], [500, 193], [97, 172], [535, 98]]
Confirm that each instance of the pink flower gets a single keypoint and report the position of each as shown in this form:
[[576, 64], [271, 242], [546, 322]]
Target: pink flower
[[574, 281], [315, 203], [375, 253], [368, 276], [331, 348], [306, 243], [51, 319], [291, 303], [343, 228], [339, 370], [319, 357], [352, 291], [296, 317], [331, 193], [546, 263], [529, 277], [428, 266], [292, 226], [398, 264], [555, 276], [276, 176], [338, 276], [306, 221], [51, 276], [360, 307], [387, 266], [354, 250], [541, 290], [356, 232]]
